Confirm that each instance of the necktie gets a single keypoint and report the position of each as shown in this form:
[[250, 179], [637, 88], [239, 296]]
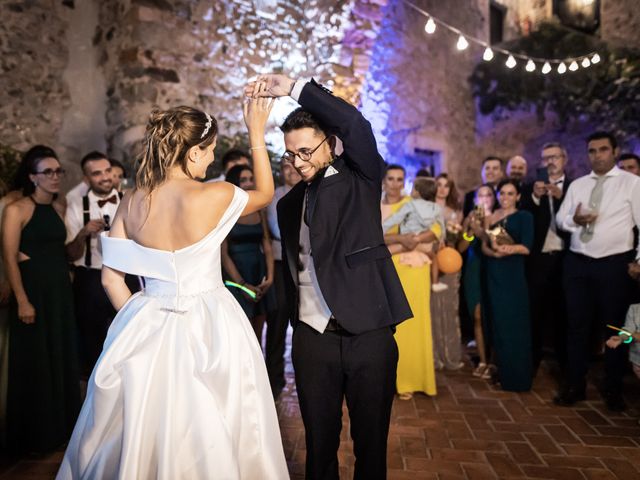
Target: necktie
[[112, 199], [594, 205]]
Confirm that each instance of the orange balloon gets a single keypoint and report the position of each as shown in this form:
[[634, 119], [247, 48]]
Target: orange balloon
[[449, 260]]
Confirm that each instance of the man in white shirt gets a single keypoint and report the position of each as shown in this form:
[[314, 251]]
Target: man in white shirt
[[600, 210], [278, 320], [548, 312], [85, 218]]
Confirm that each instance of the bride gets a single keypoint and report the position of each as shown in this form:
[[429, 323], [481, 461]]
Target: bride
[[180, 390]]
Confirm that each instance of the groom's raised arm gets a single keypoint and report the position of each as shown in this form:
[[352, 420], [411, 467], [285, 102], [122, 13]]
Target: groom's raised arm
[[347, 123]]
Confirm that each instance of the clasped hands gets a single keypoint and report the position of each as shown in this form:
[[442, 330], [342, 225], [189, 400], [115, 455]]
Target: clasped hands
[[583, 219], [541, 188]]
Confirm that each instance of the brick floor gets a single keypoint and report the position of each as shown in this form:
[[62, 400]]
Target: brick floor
[[471, 430]]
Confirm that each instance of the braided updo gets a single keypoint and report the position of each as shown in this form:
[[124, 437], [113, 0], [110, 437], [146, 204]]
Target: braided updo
[[168, 137]]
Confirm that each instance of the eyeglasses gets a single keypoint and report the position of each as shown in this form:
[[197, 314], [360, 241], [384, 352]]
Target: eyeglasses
[[50, 172], [552, 157], [303, 154]]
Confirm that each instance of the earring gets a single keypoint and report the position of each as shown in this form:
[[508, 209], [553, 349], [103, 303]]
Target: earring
[[35, 184]]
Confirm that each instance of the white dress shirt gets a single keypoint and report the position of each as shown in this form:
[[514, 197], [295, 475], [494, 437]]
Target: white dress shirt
[[552, 242], [74, 220], [619, 213], [77, 192], [313, 309]]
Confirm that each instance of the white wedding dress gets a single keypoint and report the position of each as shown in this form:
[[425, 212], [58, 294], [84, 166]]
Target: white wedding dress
[[180, 390]]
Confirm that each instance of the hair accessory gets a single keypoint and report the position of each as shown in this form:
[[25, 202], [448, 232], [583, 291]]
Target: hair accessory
[[207, 125]]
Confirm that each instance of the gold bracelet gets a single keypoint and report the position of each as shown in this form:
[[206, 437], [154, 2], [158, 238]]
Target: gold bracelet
[[258, 148], [468, 238]]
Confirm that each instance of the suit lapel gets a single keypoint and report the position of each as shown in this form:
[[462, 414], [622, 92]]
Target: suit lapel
[[291, 236]]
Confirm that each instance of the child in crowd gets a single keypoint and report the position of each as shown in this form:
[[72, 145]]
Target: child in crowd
[[416, 216], [631, 325]]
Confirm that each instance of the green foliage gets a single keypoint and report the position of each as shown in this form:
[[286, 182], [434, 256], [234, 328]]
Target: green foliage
[[606, 95], [9, 161]]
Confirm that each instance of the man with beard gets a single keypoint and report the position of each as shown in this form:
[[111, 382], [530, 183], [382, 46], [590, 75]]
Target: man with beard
[[85, 218]]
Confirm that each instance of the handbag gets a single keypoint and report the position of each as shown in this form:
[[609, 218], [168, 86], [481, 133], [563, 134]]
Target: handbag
[[500, 236]]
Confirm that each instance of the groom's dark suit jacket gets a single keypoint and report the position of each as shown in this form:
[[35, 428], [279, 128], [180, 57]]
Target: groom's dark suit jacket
[[353, 266]]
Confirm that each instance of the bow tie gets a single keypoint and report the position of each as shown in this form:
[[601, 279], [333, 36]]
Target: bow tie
[[112, 199]]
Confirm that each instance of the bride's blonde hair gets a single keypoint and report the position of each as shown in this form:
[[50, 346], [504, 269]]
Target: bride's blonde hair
[[168, 137]]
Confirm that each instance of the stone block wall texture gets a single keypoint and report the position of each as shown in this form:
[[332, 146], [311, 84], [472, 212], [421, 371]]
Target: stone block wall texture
[[33, 58], [92, 85]]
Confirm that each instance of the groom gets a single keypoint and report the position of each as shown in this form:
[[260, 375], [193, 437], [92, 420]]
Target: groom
[[343, 291]]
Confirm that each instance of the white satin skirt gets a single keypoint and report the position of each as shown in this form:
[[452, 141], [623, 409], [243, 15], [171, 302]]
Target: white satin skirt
[[179, 392]]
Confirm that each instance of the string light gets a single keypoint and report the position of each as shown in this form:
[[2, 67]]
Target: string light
[[462, 43], [430, 27], [531, 63]]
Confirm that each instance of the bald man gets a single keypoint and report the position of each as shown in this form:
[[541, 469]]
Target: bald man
[[517, 168]]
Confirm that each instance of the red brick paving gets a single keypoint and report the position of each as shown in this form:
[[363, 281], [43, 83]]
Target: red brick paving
[[471, 430]]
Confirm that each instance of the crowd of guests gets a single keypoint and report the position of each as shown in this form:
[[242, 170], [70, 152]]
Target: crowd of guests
[[547, 263]]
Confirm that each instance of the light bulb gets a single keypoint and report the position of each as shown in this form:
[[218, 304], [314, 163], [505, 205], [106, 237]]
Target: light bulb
[[574, 66], [595, 58], [487, 56], [430, 27], [531, 66], [586, 63], [462, 43], [562, 68], [511, 62], [546, 68]]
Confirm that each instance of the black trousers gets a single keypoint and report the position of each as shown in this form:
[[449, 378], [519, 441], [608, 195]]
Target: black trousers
[[94, 314], [277, 323], [330, 367], [597, 292], [548, 310]]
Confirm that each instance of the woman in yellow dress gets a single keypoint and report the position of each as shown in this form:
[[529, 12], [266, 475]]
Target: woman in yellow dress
[[416, 371]]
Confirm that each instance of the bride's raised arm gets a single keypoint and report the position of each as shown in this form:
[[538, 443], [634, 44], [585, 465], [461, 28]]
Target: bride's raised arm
[[256, 113]]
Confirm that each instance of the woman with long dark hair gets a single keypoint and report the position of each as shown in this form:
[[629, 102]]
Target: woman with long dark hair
[[43, 387]]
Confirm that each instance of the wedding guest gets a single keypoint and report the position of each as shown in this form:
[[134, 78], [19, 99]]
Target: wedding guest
[[548, 310], [472, 275], [492, 172], [517, 168], [247, 256], [505, 244], [85, 218], [278, 319], [445, 319], [230, 159], [600, 210], [416, 372], [43, 390], [629, 162], [118, 174]]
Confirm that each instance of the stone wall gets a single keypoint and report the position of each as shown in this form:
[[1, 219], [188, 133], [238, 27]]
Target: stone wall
[[156, 52], [33, 58], [417, 94], [620, 22]]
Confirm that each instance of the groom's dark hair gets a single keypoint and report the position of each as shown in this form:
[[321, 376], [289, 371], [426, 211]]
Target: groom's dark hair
[[300, 118]]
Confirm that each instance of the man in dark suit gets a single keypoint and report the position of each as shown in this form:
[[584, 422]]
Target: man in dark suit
[[492, 172], [548, 311], [344, 293]]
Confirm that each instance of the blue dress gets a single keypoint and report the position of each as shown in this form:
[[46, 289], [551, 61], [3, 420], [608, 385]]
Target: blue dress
[[244, 244], [508, 308]]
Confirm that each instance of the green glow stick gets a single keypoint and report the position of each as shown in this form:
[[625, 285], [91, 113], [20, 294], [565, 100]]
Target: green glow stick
[[246, 290]]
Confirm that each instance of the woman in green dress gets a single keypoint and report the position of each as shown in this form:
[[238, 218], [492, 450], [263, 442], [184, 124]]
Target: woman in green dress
[[505, 243], [43, 397]]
